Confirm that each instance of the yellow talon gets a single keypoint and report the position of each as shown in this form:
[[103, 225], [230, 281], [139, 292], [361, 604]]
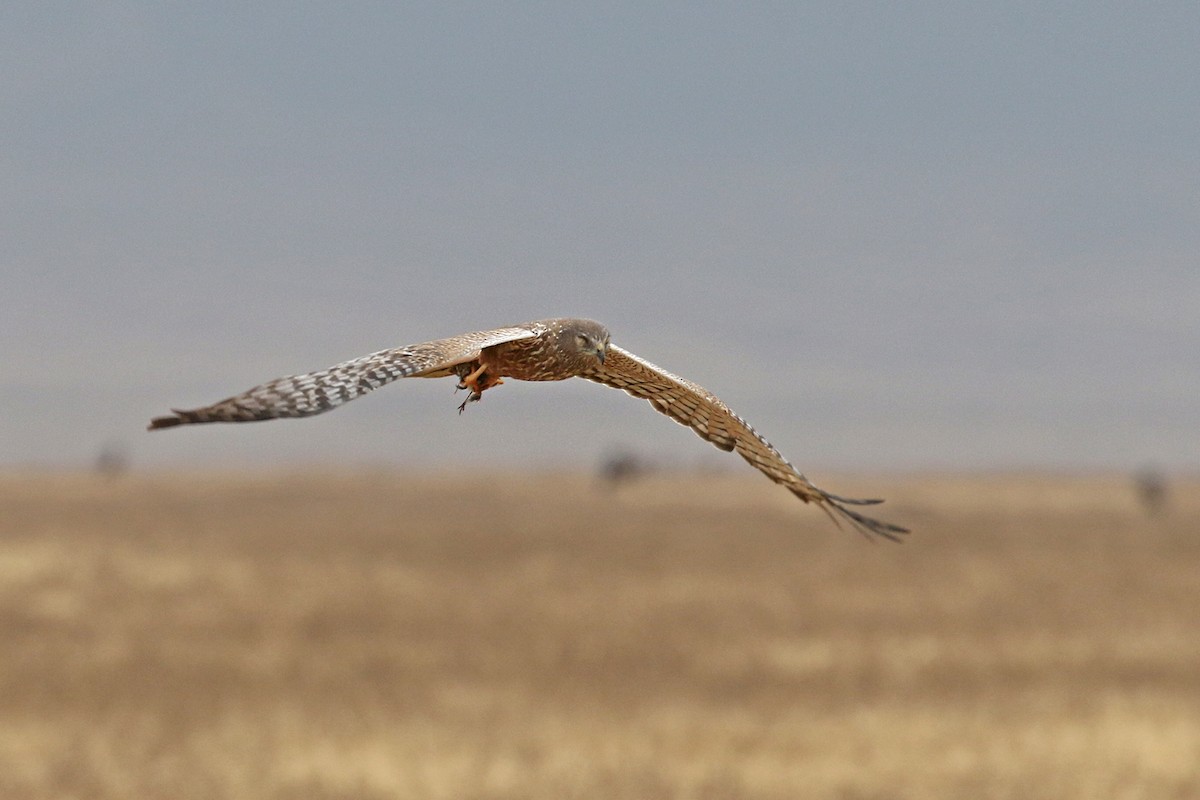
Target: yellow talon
[[477, 383]]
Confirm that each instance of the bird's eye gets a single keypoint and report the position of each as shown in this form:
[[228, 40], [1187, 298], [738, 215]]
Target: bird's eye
[[579, 337]]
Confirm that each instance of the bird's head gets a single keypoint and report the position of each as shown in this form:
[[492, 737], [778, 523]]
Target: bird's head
[[587, 339]]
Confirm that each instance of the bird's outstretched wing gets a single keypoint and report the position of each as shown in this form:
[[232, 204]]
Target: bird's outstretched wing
[[316, 392], [699, 409]]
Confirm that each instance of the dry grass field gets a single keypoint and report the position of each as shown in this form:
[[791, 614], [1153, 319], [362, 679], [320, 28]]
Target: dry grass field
[[470, 636]]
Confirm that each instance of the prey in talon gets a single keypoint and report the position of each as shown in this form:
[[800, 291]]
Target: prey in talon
[[477, 381]]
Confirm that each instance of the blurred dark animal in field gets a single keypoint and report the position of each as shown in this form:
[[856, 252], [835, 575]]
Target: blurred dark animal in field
[[622, 467], [112, 461], [1152, 490]]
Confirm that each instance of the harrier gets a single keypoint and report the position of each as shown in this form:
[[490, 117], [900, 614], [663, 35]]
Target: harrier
[[545, 350]]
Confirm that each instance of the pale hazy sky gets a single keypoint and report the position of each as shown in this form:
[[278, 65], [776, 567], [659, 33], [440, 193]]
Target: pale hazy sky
[[891, 235]]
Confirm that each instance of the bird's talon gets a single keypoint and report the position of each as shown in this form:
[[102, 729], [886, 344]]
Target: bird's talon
[[473, 397]]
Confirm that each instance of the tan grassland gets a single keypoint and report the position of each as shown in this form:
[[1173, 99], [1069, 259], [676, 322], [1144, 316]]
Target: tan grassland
[[472, 636]]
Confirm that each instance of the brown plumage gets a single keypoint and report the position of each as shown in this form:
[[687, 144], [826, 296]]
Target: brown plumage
[[545, 350]]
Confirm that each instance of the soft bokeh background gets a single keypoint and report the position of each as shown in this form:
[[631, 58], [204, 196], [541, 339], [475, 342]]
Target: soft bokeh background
[[890, 235], [382, 634]]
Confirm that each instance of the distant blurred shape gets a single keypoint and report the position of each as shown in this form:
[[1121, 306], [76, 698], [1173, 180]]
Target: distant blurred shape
[[622, 466], [112, 461], [1152, 490]]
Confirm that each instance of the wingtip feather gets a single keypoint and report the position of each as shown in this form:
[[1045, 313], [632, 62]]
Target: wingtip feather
[[166, 422], [867, 526]]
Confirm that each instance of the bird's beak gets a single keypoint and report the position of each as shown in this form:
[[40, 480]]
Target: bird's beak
[[600, 353]]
